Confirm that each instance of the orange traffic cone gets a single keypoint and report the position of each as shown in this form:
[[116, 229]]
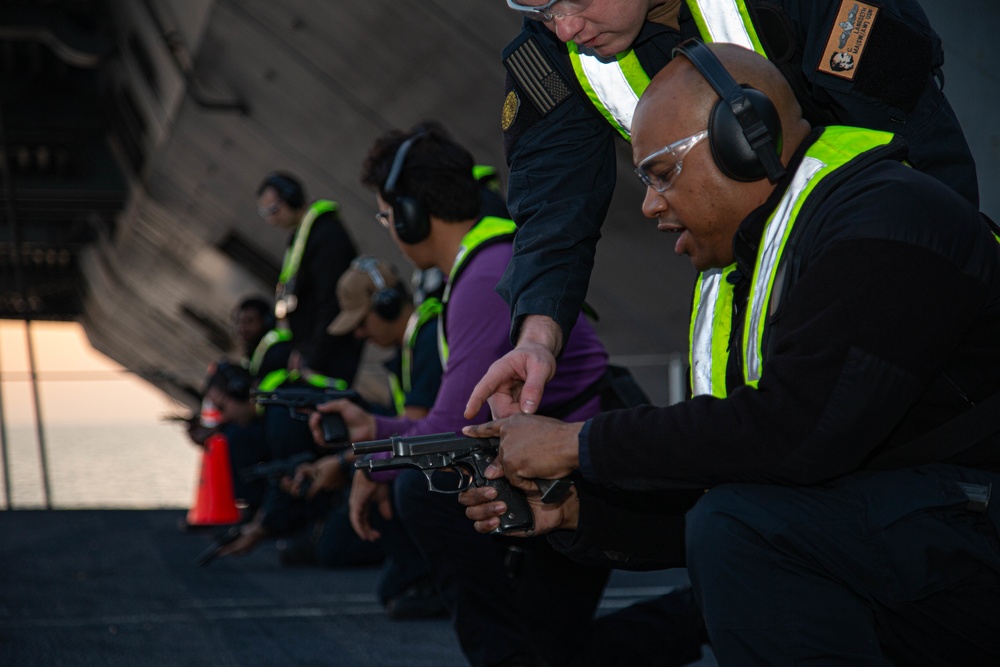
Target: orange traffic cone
[[215, 501]]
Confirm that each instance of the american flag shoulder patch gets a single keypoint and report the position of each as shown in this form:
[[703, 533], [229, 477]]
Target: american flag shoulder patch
[[539, 81]]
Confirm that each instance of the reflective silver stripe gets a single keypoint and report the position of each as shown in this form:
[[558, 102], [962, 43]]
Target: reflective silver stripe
[[608, 81], [724, 22], [442, 344], [771, 248], [701, 337]]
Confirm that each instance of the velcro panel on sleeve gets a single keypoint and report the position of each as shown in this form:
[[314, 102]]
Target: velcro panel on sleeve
[[898, 63]]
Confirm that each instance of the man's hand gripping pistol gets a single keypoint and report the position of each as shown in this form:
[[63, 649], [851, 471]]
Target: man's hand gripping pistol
[[453, 463], [301, 401]]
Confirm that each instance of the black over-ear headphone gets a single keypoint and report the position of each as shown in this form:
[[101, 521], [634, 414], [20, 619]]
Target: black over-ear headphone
[[409, 216], [236, 380], [387, 302], [289, 189], [744, 129], [261, 307]]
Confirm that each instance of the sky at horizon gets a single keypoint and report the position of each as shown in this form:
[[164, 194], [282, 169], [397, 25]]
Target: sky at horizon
[[77, 384], [106, 441]]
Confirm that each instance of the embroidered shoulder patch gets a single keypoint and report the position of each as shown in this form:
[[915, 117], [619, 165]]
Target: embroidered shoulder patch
[[536, 77], [510, 106], [848, 36]]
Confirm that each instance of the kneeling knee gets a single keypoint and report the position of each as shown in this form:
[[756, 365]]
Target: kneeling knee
[[410, 494], [718, 524]]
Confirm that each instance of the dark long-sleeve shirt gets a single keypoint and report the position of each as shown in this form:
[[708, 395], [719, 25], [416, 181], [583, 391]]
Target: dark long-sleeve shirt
[[477, 323], [562, 162], [328, 253], [562, 176], [889, 327]]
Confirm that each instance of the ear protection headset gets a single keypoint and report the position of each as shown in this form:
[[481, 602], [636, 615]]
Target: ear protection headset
[[236, 381], [289, 189], [410, 219], [262, 307], [387, 302], [744, 129]]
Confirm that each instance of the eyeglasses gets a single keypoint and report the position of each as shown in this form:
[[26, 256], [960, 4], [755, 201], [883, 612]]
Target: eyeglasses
[[264, 211], [657, 171], [548, 11], [383, 218]]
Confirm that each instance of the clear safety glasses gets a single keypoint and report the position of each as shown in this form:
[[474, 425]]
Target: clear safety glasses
[[659, 169], [555, 9], [265, 211]]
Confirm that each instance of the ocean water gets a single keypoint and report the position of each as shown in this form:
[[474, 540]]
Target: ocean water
[[98, 466]]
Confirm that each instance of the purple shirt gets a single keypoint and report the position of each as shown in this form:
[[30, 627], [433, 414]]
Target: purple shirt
[[477, 323]]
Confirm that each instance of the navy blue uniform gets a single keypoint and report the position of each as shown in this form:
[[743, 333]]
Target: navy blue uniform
[[886, 330], [328, 253], [561, 152]]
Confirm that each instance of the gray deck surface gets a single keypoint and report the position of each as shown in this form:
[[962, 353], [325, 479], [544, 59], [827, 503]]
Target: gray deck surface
[[120, 587]]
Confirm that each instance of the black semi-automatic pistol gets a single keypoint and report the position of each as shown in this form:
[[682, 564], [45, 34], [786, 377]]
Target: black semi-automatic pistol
[[300, 401], [452, 463]]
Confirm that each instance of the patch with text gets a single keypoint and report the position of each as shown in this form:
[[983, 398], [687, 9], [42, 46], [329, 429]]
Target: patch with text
[[848, 36]]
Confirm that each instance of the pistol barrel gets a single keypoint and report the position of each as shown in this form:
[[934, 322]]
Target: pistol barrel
[[434, 443], [372, 446]]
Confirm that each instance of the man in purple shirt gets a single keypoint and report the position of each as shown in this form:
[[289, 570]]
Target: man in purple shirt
[[511, 603]]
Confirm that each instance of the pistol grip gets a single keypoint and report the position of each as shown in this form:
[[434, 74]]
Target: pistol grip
[[518, 515], [334, 428]]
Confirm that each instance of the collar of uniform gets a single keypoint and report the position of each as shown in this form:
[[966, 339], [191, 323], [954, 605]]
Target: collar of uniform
[[653, 31], [746, 243], [395, 364], [667, 14]]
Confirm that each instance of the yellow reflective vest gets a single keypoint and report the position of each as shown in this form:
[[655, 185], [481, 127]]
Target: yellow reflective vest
[[712, 307], [487, 231], [285, 299]]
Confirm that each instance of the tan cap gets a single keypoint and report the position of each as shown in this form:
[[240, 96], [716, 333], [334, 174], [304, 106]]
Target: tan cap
[[355, 289]]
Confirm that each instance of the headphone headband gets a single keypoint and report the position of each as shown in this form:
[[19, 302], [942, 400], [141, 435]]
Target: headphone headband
[[392, 180], [260, 306], [289, 190], [368, 264], [233, 380], [744, 126], [410, 220], [386, 301]]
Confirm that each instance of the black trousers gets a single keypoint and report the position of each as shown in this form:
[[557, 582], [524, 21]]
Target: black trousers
[[507, 596], [881, 568]]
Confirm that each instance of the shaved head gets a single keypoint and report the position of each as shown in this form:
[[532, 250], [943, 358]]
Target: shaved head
[[688, 193], [680, 94]]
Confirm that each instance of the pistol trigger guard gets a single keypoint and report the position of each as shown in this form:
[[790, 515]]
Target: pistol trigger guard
[[460, 472], [430, 480]]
